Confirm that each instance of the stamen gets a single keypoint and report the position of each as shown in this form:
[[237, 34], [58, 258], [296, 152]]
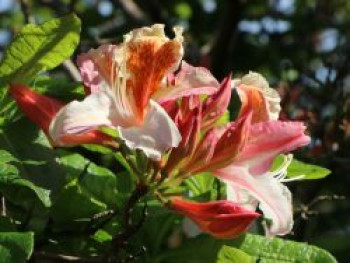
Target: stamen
[[281, 173], [287, 160], [299, 177]]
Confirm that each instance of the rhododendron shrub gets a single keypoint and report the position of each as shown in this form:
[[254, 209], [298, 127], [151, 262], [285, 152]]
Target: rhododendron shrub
[[143, 159]]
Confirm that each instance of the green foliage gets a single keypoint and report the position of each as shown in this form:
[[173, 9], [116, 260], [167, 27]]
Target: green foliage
[[276, 250], [6, 168], [19, 188], [75, 203], [16, 247], [60, 88], [24, 140], [39, 48], [297, 168], [230, 254], [253, 247], [15, 187]]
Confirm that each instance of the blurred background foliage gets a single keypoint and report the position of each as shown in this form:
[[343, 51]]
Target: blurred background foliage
[[301, 46]]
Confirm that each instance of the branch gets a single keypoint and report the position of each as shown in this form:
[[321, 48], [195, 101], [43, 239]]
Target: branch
[[223, 40], [26, 11], [133, 11], [3, 206], [64, 258], [71, 6], [304, 211], [72, 70], [120, 240]]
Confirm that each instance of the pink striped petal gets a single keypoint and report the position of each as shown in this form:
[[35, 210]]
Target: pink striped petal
[[216, 104], [189, 81], [269, 139]]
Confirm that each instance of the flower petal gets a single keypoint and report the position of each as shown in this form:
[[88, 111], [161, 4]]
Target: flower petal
[[216, 104], [241, 196], [220, 146], [97, 67], [274, 197], [203, 153], [222, 219], [187, 82], [190, 130], [257, 96], [42, 110], [271, 95], [157, 134], [151, 56], [38, 108], [82, 117], [269, 139]]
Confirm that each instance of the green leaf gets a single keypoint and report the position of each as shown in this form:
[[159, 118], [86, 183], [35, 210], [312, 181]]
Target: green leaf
[[75, 204], [276, 250], [102, 236], [233, 255], [98, 181], [5, 167], [6, 157], [61, 88], [18, 184], [23, 140], [266, 250], [12, 186], [297, 168], [39, 48], [16, 247], [224, 119], [200, 183]]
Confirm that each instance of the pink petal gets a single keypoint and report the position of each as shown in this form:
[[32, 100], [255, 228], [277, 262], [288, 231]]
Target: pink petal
[[269, 139], [190, 130], [189, 81], [229, 144], [95, 67], [274, 197], [203, 153], [216, 104]]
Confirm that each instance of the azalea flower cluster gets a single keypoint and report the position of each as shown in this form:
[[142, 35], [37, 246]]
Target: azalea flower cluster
[[171, 111]]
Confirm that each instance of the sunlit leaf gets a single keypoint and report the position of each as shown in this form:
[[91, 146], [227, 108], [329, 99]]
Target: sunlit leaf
[[39, 48], [233, 255], [297, 168]]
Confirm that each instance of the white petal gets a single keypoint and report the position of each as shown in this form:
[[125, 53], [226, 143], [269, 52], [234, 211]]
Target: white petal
[[274, 198], [241, 196], [157, 134], [80, 117]]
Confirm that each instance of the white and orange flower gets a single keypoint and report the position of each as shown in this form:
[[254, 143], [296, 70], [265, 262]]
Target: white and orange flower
[[121, 80]]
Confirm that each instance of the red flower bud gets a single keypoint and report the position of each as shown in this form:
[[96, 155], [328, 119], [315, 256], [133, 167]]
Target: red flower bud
[[222, 219], [42, 110]]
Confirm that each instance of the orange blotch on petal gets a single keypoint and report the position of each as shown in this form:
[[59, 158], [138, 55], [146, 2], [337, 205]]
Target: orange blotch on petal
[[148, 63], [253, 100]]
